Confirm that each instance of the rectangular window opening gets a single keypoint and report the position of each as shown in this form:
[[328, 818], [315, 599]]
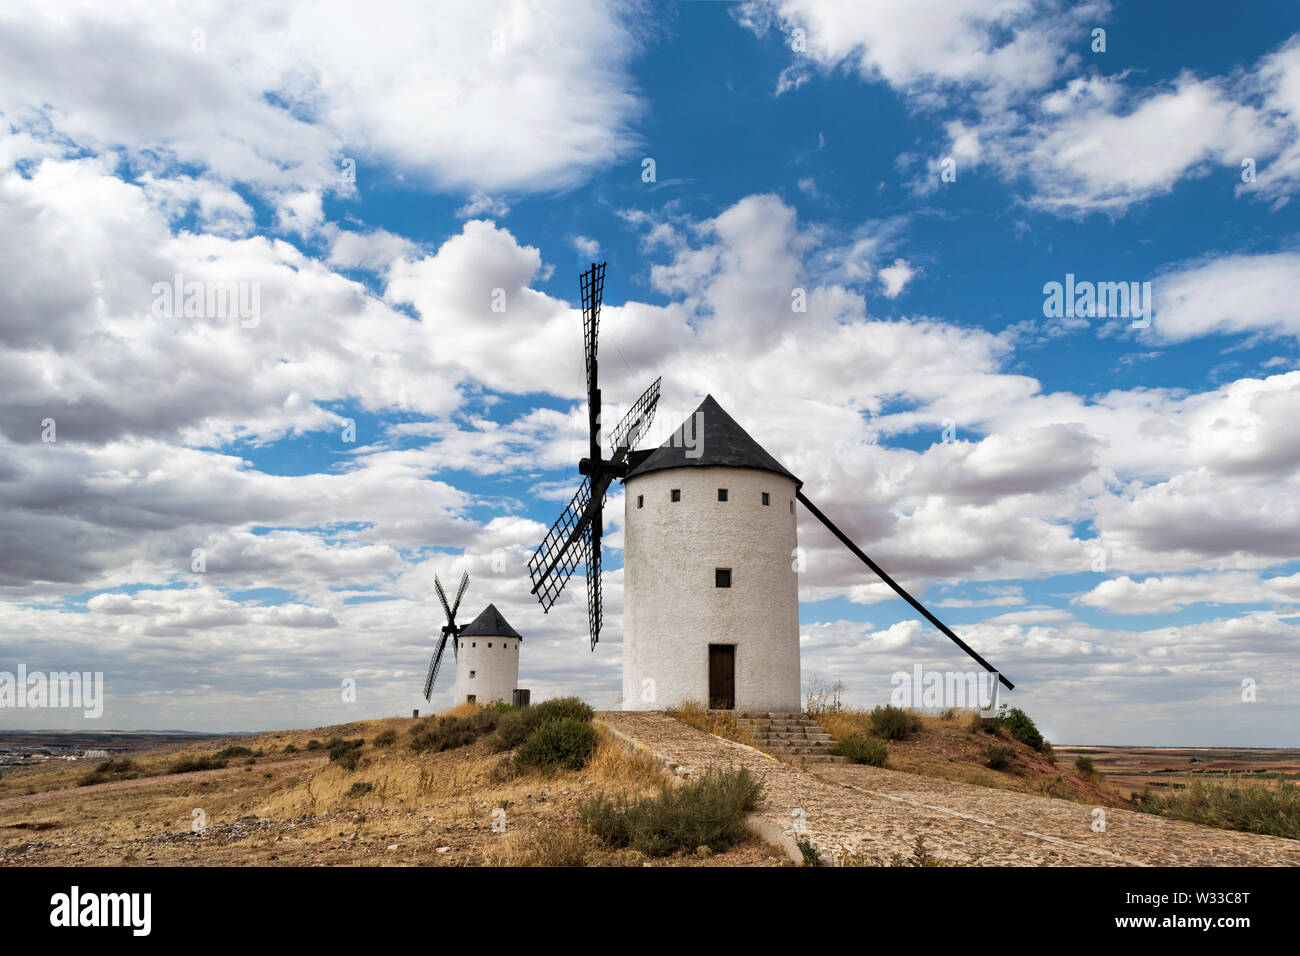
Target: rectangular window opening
[[722, 577]]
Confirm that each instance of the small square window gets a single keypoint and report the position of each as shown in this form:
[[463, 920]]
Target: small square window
[[489, 643], [640, 501], [473, 644], [722, 577], [767, 499], [677, 494], [722, 494], [471, 673]]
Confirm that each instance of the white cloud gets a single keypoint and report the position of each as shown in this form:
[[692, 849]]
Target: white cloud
[[1235, 293], [482, 205], [896, 277], [500, 95], [1158, 595]]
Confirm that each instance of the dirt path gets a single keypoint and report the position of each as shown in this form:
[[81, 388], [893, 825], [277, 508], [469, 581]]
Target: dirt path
[[874, 812]]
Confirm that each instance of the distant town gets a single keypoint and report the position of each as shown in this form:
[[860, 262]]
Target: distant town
[[23, 748]]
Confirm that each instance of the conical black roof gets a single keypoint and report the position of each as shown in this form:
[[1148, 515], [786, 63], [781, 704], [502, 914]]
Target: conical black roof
[[489, 623], [722, 443]]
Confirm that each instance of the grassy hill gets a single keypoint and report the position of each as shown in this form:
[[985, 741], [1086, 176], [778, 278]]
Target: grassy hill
[[285, 804]]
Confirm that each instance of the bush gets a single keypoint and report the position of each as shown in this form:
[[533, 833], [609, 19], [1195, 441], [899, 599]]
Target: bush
[[999, 756], [385, 738], [1084, 768], [563, 743], [1018, 724], [519, 724], [359, 789], [233, 751], [314, 745], [110, 770], [345, 753], [894, 723], [190, 765], [444, 733], [290, 749], [860, 748], [1249, 807], [985, 725], [709, 811]]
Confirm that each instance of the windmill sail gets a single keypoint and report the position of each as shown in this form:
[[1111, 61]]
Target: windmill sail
[[449, 630], [575, 537], [433, 667], [900, 590]]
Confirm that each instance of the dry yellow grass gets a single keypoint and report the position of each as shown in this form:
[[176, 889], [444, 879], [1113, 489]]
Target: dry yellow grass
[[720, 723], [423, 808]]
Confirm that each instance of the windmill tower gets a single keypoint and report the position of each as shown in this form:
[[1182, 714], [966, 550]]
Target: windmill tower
[[711, 606], [487, 659], [719, 622]]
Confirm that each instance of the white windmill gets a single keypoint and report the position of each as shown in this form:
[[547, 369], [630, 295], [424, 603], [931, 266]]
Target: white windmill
[[486, 651], [711, 597]]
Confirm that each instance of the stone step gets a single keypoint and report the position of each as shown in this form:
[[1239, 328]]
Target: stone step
[[792, 734]]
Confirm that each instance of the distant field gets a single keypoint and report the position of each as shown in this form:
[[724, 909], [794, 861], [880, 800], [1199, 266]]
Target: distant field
[[112, 740], [1131, 769]]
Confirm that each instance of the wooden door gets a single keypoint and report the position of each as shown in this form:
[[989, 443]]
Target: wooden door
[[722, 676]]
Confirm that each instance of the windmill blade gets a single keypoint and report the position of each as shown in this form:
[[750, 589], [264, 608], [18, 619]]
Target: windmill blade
[[898, 588], [460, 593], [434, 665], [594, 609], [437, 586], [637, 421], [553, 562], [592, 285]]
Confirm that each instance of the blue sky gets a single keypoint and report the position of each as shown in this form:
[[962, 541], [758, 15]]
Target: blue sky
[[984, 452]]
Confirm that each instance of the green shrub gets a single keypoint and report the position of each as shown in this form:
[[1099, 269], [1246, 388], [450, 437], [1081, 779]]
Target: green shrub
[[359, 789], [709, 811], [385, 738], [314, 745], [1083, 766], [192, 764], [894, 723], [565, 743], [1018, 724], [860, 748], [445, 733], [233, 751], [107, 771], [811, 855], [345, 753], [519, 724], [290, 749], [999, 756]]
